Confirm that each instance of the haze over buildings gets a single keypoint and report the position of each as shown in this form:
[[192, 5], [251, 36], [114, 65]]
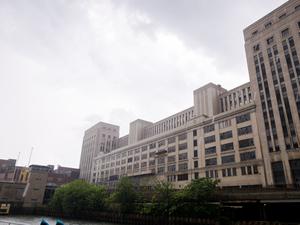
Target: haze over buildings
[[61, 60], [245, 137]]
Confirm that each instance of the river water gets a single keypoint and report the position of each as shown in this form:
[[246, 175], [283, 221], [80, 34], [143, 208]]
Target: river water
[[35, 220]]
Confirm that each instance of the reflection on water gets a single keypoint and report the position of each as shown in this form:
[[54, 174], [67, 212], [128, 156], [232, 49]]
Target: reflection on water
[[35, 220]]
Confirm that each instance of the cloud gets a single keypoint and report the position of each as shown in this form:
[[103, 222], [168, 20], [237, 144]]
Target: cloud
[[67, 64]]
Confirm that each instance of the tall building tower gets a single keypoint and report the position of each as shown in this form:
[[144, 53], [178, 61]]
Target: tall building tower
[[273, 50], [101, 137]]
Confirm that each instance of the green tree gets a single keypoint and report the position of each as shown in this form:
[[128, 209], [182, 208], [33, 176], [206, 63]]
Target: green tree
[[78, 197], [194, 199], [125, 195], [163, 198], [200, 190]]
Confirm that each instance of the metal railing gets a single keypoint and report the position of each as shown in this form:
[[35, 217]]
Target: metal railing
[[5, 222]]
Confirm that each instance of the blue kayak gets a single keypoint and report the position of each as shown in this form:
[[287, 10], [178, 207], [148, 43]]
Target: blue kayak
[[58, 222]]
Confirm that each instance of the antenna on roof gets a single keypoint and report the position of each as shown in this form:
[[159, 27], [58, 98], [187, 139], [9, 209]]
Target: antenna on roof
[[30, 156]]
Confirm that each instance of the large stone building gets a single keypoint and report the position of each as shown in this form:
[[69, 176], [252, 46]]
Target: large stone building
[[102, 137], [247, 136], [272, 48]]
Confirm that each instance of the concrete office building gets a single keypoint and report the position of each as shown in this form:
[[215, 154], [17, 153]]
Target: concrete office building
[[101, 137], [247, 136], [216, 138], [273, 50]]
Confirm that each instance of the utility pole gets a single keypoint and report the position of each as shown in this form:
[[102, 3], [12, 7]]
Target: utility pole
[[30, 157]]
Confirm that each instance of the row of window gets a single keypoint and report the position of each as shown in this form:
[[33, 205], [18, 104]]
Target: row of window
[[227, 123], [227, 172], [184, 156], [181, 137], [244, 156], [268, 24]]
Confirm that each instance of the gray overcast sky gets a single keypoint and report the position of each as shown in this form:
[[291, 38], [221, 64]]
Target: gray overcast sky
[[67, 64]]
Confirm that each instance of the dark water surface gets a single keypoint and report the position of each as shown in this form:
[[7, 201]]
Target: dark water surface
[[35, 220]]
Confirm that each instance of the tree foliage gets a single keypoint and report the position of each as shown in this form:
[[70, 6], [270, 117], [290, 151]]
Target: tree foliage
[[77, 197], [199, 190], [193, 200], [125, 195], [163, 198]]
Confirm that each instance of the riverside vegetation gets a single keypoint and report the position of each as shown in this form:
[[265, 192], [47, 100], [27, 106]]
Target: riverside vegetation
[[163, 200]]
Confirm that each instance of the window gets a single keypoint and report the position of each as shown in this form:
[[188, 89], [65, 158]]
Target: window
[[282, 16], [171, 158], [152, 154], [182, 156], [161, 160], [195, 143], [195, 153], [227, 147], [172, 178], [249, 170], [152, 145], [229, 172], [130, 152], [278, 173], [295, 169], [267, 25], [228, 159], [256, 48], [210, 150], [254, 32], [129, 160], [171, 140], [136, 158], [196, 175], [243, 170], [285, 33], [243, 118], [182, 177], [144, 148], [211, 162], [144, 164], [144, 156], [171, 168], [245, 130], [161, 143], [160, 170], [224, 124], [247, 156], [299, 24], [255, 169], [151, 162], [270, 40], [225, 135], [209, 128], [182, 146], [183, 167], [246, 143], [194, 133], [171, 149], [182, 137], [297, 7], [211, 173], [209, 139], [195, 164]]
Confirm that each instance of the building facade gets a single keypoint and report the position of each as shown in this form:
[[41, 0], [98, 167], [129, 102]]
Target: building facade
[[245, 137], [272, 47], [216, 138], [102, 137]]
